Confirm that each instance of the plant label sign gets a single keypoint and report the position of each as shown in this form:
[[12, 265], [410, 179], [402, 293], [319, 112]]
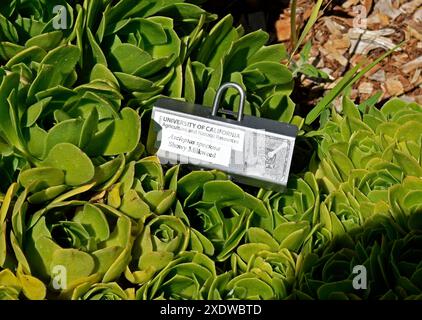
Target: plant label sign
[[252, 150]]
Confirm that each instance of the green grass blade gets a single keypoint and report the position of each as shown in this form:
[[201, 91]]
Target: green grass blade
[[334, 93], [311, 21], [349, 79], [363, 107], [293, 31]]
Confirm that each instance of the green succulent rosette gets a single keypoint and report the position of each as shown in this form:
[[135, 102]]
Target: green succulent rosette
[[223, 213], [327, 285], [20, 286], [64, 137], [165, 236], [397, 274], [269, 276], [16, 281], [101, 232], [102, 291], [383, 248], [29, 28], [87, 241], [142, 190], [188, 277], [245, 59], [255, 285], [145, 194], [300, 202], [160, 241], [289, 235], [379, 147], [274, 273], [406, 202], [299, 220], [10, 287], [189, 191], [363, 155], [143, 45], [405, 258]]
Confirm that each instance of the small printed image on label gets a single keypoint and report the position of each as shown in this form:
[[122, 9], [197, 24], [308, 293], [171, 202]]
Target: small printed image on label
[[268, 156], [278, 153]]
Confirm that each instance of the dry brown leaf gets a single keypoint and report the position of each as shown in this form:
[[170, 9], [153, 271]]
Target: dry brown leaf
[[411, 6], [386, 7], [412, 65], [416, 77], [334, 55], [368, 5], [334, 27], [412, 31], [350, 3], [417, 17], [363, 41], [378, 76], [283, 28], [366, 88], [394, 87]]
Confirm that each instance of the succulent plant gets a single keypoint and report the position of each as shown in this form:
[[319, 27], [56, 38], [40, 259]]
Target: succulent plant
[[51, 132], [266, 275], [143, 45], [223, 212], [188, 277], [245, 59], [79, 191], [102, 291], [14, 285], [382, 247], [80, 237], [28, 28], [159, 242], [365, 157], [19, 285]]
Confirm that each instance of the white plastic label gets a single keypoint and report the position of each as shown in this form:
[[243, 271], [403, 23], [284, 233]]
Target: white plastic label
[[199, 139]]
